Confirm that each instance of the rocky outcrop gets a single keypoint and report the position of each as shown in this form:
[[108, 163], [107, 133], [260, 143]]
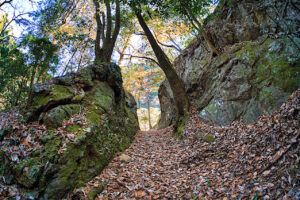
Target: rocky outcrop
[[90, 118], [256, 71]]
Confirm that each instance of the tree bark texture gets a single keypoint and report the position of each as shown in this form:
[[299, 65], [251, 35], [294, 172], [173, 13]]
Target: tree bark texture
[[106, 32], [176, 83], [33, 73]]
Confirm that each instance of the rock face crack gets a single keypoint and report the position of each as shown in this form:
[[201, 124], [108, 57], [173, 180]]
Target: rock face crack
[[52, 104]]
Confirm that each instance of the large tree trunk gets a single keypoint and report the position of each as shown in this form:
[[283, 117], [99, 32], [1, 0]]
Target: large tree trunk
[[104, 53], [33, 73], [20, 92], [100, 27], [211, 46], [176, 83]]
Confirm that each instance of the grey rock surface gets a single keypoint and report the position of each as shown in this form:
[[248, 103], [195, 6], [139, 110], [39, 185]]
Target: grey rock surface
[[256, 71]]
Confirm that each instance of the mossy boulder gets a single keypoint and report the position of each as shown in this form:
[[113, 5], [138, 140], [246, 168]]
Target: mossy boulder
[[102, 122], [101, 95], [255, 81]]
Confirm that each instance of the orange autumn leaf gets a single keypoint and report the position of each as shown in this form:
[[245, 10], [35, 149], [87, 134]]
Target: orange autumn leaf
[[140, 193]]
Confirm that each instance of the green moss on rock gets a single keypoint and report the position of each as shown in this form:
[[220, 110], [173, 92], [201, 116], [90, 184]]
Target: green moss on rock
[[94, 114], [251, 79], [275, 63], [209, 139], [101, 95], [180, 124], [72, 128], [92, 195], [55, 93], [85, 77], [78, 97], [30, 177], [56, 116], [50, 150], [64, 163]]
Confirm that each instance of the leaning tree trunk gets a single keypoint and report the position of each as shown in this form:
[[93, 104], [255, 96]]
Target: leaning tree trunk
[[202, 31], [211, 46], [176, 83]]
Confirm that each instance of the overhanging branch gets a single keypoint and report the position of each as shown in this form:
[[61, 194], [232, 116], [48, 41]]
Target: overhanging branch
[[142, 57], [166, 45], [5, 2]]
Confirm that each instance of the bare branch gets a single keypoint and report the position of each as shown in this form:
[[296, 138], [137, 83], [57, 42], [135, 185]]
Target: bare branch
[[122, 52], [173, 41], [69, 11], [5, 2], [77, 48], [13, 19], [67, 66], [166, 45], [139, 33], [142, 57], [15, 38]]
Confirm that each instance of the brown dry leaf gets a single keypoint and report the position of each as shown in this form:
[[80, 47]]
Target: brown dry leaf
[[25, 143], [140, 193], [71, 135], [100, 198], [213, 165], [60, 150], [125, 158]]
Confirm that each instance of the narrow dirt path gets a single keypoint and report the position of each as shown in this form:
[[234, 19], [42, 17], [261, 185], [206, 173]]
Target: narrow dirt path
[[153, 170]]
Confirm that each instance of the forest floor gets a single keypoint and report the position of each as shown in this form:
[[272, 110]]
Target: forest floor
[[254, 161]]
